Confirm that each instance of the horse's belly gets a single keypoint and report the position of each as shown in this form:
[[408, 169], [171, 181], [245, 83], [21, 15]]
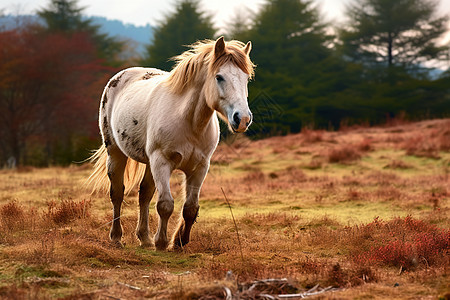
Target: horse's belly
[[131, 145], [130, 135]]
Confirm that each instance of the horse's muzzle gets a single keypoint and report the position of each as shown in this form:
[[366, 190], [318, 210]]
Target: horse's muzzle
[[241, 123]]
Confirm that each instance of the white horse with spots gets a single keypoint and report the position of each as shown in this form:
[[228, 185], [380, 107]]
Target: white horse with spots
[[166, 121]]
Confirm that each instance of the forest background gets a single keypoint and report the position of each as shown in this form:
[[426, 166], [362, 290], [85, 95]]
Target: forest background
[[388, 60]]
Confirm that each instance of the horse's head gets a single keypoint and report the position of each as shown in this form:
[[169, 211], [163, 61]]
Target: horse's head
[[229, 72]]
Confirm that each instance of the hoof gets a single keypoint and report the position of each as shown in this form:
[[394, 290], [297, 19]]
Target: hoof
[[161, 245], [145, 240], [177, 245], [176, 248], [147, 244], [117, 244]]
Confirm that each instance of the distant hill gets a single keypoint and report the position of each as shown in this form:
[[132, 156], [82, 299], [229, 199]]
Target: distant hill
[[141, 35]]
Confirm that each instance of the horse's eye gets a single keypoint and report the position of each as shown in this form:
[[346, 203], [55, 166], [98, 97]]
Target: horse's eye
[[219, 78]]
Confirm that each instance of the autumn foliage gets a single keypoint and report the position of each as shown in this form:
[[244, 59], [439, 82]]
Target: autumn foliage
[[405, 242], [50, 83]]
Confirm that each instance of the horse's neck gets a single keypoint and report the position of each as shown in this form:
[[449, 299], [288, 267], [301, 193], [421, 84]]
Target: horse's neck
[[199, 113]]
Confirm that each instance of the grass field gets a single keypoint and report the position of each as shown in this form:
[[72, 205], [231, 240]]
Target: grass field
[[363, 210]]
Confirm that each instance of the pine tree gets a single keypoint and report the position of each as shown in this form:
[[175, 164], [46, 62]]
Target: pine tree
[[399, 33], [238, 26], [288, 34], [185, 26], [65, 16], [294, 64]]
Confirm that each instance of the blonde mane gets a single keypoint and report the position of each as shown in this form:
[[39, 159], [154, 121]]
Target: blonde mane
[[199, 61]]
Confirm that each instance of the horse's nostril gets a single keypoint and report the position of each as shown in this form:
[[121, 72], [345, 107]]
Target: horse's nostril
[[236, 118]]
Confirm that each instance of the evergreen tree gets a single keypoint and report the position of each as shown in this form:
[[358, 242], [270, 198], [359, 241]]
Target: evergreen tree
[[294, 65], [185, 26], [238, 26], [288, 35], [399, 33], [65, 16]]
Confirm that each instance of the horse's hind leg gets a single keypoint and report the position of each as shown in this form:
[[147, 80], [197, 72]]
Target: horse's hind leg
[[146, 191], [162, 168], [194, 183], [117, 162]]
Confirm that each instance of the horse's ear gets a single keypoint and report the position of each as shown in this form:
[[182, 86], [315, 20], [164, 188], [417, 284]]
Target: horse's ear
[[219, 47], [247, 48]]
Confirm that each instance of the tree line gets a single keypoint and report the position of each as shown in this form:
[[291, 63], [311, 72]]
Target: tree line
[[373, 67]]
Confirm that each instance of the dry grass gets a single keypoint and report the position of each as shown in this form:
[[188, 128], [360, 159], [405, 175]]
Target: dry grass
[[429, 144], [67, 210], [398, 164], [362, 209], [343, 154]]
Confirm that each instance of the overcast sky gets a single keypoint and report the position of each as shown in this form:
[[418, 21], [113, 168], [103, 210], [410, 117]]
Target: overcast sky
[[141, 12]]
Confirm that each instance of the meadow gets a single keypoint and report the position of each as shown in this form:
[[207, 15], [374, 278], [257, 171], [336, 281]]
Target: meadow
[[358, 213]]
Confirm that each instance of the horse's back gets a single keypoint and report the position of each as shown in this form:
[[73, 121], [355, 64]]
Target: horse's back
[[122, 108], [132, 75]]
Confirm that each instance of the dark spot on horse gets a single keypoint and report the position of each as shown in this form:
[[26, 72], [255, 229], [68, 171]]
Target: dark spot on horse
[[107, 143], [105, 99], [115, 82], [124, 134], [110, 174], [105, 122], [148, 75], [135, 121]]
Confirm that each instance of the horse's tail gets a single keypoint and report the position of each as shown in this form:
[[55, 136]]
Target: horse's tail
[[99, 181]]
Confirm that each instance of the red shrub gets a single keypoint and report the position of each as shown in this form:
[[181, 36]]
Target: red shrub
[[343, 154], [365, 145], [67, 211], [421, 146], [255, 176], [12, 216], [312, 136], [443, 137], [406, 243]]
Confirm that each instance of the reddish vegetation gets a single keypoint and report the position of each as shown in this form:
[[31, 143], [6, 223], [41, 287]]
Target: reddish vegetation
[[429, 144], [343, 154], [67, 211], [42, 114], [312, 136], [405, 243], [12, 217], [296, 210]]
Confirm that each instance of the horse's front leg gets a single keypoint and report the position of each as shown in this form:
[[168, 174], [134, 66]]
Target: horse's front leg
[[194, 183], [161, 169]]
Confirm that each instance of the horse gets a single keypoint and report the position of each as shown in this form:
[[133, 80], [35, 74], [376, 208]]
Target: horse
[[153, 122]]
